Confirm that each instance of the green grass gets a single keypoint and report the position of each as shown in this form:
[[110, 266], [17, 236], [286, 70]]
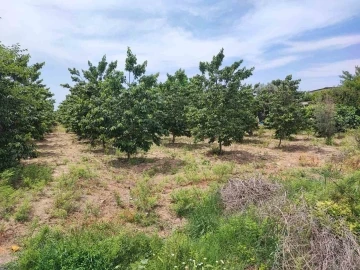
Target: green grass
[[19, 183], [211, 238], [23, 212], [185, 200], [69, 190]]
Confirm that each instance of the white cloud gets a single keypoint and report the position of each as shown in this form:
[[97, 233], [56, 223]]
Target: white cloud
[[282, 61], [338, 42], [70, 32], [329, 69]]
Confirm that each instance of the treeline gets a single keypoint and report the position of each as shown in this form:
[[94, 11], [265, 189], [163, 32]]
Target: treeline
[[26, 106], [131, 111]]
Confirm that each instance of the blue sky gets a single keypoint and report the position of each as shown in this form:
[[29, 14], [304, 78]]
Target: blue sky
[[312, 40]]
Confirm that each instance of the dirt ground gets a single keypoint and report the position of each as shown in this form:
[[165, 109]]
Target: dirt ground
[[115, 174]]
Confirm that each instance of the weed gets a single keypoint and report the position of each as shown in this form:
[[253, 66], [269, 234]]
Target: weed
[[128, 215], [185, 200], [23, 212], [92, 210], [64, 202], [356, 135], [81, 171], [18, 181], [223, 171], [118, 199], [143, 194]]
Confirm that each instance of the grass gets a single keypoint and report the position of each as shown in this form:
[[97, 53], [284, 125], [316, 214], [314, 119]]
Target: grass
[[69, 190], [185, 200], [210, 239], [23, 212], [17, 185]]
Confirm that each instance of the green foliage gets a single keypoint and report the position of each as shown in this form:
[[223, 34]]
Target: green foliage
[[103, 106], [346, 118], [68, 190], [222, 171], [238, 242], [205, 217], [176, 96], [144, 197], [185, 200], [18, 182], [286, 113], [345, 201], [222, 106], [324, 118], [26, 107], [23, 213], [84, 111], [91, 248]]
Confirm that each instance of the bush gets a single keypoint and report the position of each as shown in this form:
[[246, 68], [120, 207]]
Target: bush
[[346, 118]]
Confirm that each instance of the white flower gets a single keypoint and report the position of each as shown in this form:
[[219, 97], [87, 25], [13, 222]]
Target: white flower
[[172, 254]]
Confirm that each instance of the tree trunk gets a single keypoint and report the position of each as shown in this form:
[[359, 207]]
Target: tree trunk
[[280, 142], [128, 156], [220, 147], [173, 138]]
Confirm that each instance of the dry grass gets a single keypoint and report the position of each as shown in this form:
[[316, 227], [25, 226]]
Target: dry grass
[[170, 166], [308, 244]]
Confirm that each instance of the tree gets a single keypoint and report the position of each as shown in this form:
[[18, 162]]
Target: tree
[[263, 100], [286, 113], [346, 118], [26, 107], [222, 109], [136, 114], [175, 94], [324, 119], [83, 111]]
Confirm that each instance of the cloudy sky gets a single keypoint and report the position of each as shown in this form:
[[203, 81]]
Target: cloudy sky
[[313, 40]]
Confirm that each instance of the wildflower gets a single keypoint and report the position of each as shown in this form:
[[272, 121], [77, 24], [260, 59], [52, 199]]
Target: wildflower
[[172, 254]]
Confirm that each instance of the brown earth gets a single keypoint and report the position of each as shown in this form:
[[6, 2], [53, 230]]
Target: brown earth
[[61, 150]]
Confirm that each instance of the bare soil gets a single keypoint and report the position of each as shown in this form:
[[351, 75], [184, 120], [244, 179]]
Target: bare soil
[[114, 174]]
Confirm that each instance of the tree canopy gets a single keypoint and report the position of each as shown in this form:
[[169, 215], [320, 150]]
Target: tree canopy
[[26, 105]]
